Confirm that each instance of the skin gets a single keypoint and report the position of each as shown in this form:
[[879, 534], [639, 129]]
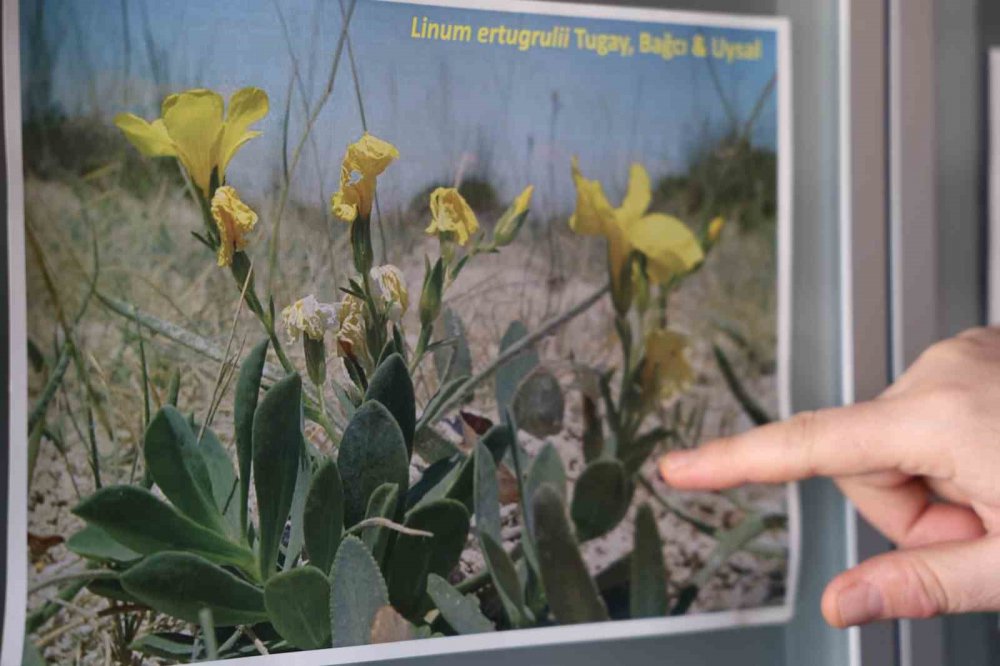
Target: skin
[[921, 463]]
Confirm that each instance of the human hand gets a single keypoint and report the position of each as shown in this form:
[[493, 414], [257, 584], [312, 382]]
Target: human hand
[[922, 464]]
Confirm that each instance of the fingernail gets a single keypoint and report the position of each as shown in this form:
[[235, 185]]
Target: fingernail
[[675, 461], [859, 603]]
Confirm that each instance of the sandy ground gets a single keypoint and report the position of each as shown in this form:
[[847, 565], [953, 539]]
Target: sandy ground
[[528, 281]]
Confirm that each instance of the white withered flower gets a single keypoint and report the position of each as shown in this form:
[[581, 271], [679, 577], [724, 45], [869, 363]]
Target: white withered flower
[[391, 286], [310, 317]]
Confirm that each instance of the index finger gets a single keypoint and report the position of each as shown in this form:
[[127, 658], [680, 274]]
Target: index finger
[[866, 437]]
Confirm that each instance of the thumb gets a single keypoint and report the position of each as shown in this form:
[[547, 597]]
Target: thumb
[[956, 577]]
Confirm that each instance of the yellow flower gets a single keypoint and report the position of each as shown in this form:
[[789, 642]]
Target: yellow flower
[[513, 218], [666, 370], [364, 161], [308, 316], [669, 246], [391, 287], [715, 229], [351, 326], [451, 215], [194, 130], [523, 200], [234, 219]]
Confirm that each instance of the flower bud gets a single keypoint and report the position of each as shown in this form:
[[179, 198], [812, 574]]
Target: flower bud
[[512, 220], [430, 295]]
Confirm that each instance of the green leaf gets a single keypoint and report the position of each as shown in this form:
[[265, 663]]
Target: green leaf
[[298, 603], [571, 592], [323, 520], [244, 406], [453, 360], [593, 431], [110, 588], [181, 584], [601, 498], [138, 520], [510, 375], [391, 386], [94, 543], [413, 557], [640, 448], [455, 483], [382, 504], [372, 452], [487, 493], [223, 480], [434, 406], [277, 445], [165, 645], [431, 476], [517, 456], [296, 518], [648, 579], [497, 440], [30, 655], [357, 592], [177, 465], [430, 445], [753, 410], [459, 481], [547, 467], [460, 612], [505, 580], [539, 404]]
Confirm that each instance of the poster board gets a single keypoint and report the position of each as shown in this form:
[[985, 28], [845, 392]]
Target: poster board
[[540, 94]]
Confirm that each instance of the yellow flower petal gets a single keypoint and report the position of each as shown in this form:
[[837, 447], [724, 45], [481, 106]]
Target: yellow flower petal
[[670, 247], [593, 213], [364, 161], [151, 139], [193, 119], [451, 214], [370, 155], [523, 200], [638, 196], [234, 219], [246, 107], [715, 229]]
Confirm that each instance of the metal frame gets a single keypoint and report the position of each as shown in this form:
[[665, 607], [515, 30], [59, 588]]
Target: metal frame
[[865, 266], [913, 265]]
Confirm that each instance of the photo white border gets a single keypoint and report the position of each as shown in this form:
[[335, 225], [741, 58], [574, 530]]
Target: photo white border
[[16, 592], [16, 572], [993, 235]]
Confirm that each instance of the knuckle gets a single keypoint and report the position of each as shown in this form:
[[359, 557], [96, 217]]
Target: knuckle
[[911, 588], [950, 402], [952, 350], [976, 332], [929, 594]]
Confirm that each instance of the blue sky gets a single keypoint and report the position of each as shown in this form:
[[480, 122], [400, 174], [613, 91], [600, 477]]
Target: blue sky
[[447, 106]]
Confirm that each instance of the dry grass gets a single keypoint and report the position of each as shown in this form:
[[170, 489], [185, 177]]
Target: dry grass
[[148, 258]]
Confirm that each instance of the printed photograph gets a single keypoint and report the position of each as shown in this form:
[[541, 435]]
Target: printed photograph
[[353, 322]]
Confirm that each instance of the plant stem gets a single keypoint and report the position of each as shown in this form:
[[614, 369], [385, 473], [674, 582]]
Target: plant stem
[[90, 574], [379, 521], [699, 525], [729, 543]]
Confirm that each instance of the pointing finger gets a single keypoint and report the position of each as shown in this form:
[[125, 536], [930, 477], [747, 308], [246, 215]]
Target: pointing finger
[[890, 433]]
